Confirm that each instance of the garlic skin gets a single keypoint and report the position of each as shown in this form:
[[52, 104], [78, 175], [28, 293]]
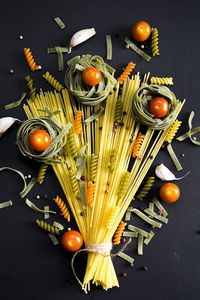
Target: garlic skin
[[165, 174], [5, 123], [80, 37]]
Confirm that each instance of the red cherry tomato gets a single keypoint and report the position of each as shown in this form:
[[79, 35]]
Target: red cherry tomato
[[91, 76], [39, 140], [72, 241], [141, 31], [158, 107], [169, 192]]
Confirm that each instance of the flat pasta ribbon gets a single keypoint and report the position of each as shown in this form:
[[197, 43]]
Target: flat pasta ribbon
[[141, 101], [56, 130], [88, 95]]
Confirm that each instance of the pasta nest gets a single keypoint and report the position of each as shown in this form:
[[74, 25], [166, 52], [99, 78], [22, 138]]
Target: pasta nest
[[141, 101], [57, 132], [89, 95]]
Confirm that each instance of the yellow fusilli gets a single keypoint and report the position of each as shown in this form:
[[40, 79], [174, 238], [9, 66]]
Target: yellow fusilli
[[162, 80], [154, 41], [173, 130], [112, 217], [52, 81]]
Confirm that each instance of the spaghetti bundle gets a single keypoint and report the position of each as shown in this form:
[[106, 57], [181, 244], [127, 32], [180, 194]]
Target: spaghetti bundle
[[116, 179]]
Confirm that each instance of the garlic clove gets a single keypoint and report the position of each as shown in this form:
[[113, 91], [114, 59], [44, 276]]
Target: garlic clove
[[165, 174], [5, 123], [80, 37]]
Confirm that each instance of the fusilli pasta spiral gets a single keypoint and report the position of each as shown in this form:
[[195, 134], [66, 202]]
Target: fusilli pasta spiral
[[52, 81], [78, 122], [93, 166], [126, 72], [112, 217], [137, 145], [118, 233], [71, 144], [162, 80], [173, 130], [65, 212], [146, 188], [90, 194], [154, 41], [124, 184], [113, 160], [31, 87], [47, 227], [41, 173], [30, 59], [73, 180]]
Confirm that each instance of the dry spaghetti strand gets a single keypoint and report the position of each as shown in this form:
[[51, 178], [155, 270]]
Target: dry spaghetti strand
[[78, 122], [30, 60], [64, 210], [126, 72], [118, 233], [137, 145], [90, 194]]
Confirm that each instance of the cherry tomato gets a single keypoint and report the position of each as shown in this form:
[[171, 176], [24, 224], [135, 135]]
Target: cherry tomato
[[169, 192], [72, 241], [91, 76], [39, 140], [158, 107], [141, 31]]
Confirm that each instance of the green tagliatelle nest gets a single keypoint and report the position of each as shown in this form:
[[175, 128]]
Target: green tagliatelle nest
[[56, 131], [140, 106], [89, 95]]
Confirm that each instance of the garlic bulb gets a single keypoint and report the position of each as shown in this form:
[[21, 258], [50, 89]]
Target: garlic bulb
[[165, 174], [5, 123], [80, 37]]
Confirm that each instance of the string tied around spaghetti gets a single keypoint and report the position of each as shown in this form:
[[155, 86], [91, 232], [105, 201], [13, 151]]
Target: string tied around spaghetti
[[102, 249]]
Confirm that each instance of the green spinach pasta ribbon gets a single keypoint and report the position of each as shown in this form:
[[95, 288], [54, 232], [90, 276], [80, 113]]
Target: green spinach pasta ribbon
[[56, 130], [140, 106], [89, 95]]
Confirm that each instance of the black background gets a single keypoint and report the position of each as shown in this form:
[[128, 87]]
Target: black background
[[31, 267]]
